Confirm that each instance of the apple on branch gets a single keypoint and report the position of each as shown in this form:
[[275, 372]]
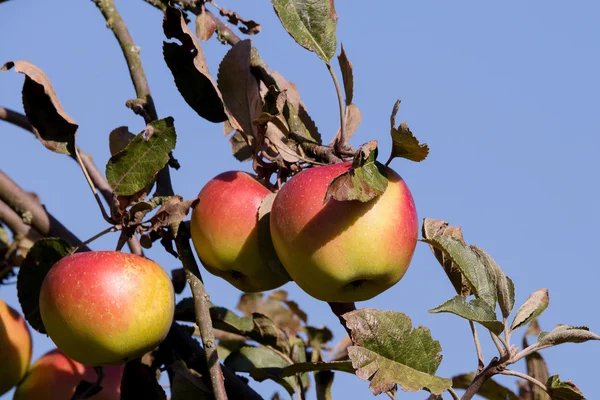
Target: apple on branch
[[343, 251], [106, 307], [15, 347], [226, 233]]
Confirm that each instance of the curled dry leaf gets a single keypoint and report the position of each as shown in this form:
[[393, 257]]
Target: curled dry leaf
[[239, 87], [247, 27], [353, 120], [347, 75], [535, 304], [172, 212], [52, 125], [404, 143], [205, 26], [363, 182], [436, 227], [240, 149], [118, 139], [285, 316], [188, 66]]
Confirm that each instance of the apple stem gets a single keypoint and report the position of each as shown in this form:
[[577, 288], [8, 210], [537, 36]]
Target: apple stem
[[340, 140], [105, 215], [339, 309]]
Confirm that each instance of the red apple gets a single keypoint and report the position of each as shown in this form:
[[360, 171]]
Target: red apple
[[106, 307], [15, 347], [54, 376], [343, 251], [225, 232]]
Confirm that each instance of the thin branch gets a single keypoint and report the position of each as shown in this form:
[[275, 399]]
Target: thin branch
[[110, 229], [489, 371], [480, 359], [527, 351], [92, 186], [340, 142], [15, 118], [201, 306], [506, 331], [526, 377], [497, 343], [13, 221], [453, 394], [131, 52]]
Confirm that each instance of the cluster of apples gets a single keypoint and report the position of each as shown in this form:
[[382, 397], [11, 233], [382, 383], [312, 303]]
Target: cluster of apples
[[54, 376], [338, 251]]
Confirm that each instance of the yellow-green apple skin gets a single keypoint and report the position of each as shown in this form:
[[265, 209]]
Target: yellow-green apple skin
[[106, 307], [54, 376], [15, 347], [343, 251], [225, 233]]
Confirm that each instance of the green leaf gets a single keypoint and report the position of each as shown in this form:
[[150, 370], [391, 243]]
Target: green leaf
[[139, 382], [285, 313], [311, 23], [470, 265], [226, 347], [317, 337], [229, 321], [563, 390], [566, 334], [135, 167], [267, 333], [347, 75], [404, 143], [189, 69], [432, 228], [490, 390], [51, 124], [505, 289], [255, 359], [388, 351], [239, 87], [40, 259], [475, 310], [366, 179], [535, 304], [188, 384]]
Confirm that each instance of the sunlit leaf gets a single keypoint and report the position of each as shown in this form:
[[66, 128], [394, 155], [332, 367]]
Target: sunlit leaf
[[560, 390], [535, 304], [475, 310]]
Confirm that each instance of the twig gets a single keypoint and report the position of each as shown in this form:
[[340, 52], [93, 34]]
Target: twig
[[92, 186], [453, 394], [526, 377], [131, 52], [480, 359], [98, 179], [391, 395], [110, 229], [13, 221], [203, 320], [497, 343], [481, 378], [506, 331], [340, 142], [527, 351]]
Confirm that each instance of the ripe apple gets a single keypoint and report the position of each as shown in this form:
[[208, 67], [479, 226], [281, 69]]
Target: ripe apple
[[225, 232], [343, 251], [106, 307], [15, 347], [54, 376]]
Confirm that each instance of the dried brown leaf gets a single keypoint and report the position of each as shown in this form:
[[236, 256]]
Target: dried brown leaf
[[347, 75], [239, 87], [248, 27], [205, 26], [172, 212], [118, 139], [52, 125]]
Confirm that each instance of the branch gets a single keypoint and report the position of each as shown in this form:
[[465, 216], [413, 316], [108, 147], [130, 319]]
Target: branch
[[492, 369], [32, 212], [96, 176], [526, 377], [203, 320], [144, 104], [13, 221], [481, 361]]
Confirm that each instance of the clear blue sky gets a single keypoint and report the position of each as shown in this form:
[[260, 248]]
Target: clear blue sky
[[505, 94]]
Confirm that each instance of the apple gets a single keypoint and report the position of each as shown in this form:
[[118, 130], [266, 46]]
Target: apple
[[225, 232], [106, 307], [15, 347], [343, 251], [54, 376]]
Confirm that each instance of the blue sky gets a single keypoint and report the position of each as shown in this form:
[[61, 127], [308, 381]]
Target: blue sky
[[505, 94]]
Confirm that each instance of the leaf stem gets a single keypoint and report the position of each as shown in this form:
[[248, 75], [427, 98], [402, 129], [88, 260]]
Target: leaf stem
[[203, 320], [453, 394], [526, 377], [340, 141], [527, 351], [92, 187], [506, 331], [497, 343], [110, 229], [480, 359]]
